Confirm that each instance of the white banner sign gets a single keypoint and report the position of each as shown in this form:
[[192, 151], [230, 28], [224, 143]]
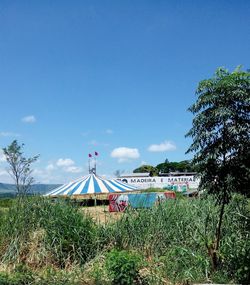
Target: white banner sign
[[160, 182]]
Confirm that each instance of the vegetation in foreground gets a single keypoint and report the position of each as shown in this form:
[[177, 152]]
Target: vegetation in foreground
[[45, 242], [176, 242]]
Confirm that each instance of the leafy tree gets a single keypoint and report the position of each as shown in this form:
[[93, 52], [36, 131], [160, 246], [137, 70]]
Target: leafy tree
[[181, 166], [146, 168], [221, 139], [167, 167], [19, 167]]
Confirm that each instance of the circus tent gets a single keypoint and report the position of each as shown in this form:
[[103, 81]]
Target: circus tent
[[91, 184]]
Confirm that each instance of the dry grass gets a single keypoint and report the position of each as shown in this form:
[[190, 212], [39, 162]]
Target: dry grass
[[34, 253], [101, 214]]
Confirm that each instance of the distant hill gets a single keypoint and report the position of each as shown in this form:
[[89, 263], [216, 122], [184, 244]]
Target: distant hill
[[9, 190]]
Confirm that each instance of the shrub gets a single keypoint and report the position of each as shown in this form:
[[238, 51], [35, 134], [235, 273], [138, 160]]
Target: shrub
[[123, 267]]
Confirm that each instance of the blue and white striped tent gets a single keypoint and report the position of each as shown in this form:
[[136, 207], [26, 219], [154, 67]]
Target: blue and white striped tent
[[91, 184]]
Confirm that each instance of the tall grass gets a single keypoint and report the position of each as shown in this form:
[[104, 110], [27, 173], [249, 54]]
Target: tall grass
[[172, 233], [57, 233], [5, 202], [171, 238], [176, 234]]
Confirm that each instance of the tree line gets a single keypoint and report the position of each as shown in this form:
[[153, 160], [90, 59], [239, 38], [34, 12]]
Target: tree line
[[166, 167]]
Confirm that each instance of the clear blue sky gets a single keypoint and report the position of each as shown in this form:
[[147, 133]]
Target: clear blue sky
[[110, 76]]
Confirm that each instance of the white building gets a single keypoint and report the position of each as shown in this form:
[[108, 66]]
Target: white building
[[144, 180]]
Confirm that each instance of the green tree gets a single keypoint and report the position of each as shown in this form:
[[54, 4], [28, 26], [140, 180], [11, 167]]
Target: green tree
[[181, 166], [146, 168], [221, 139], [19, 167]]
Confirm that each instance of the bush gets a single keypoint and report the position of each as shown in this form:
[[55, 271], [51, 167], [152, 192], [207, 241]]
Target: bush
[[123, 267]]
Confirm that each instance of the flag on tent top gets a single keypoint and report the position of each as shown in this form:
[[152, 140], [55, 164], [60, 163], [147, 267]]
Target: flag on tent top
[[90, 155], [96, 153]]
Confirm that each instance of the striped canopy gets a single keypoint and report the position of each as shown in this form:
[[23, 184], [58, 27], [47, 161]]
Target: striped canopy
[[91, 184]]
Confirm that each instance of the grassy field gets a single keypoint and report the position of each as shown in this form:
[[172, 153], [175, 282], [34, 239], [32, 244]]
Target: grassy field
[[101, 214], [45, 242]]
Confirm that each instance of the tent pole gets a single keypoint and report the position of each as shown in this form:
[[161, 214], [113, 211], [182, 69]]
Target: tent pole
[[95, 165]]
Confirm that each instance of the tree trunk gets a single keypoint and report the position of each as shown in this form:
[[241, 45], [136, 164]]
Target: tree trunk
[[214, 247]]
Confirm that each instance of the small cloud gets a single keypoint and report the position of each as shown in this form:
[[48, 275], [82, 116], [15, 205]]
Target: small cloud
[[143, 163], [2, 156], [8, 134], [125, 154], [65, 162], [162, 147], [67, 165], [29, 119], [73, 169], [50, 167], [109, 132]]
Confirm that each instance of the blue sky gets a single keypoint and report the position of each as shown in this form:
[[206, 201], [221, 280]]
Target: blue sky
[[115, 77]]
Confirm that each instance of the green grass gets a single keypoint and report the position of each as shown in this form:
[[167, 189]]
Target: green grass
[[6, 202], [151, 190], [49, 241]]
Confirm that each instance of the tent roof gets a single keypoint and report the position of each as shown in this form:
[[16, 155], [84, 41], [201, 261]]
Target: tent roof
[[91, 184]]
